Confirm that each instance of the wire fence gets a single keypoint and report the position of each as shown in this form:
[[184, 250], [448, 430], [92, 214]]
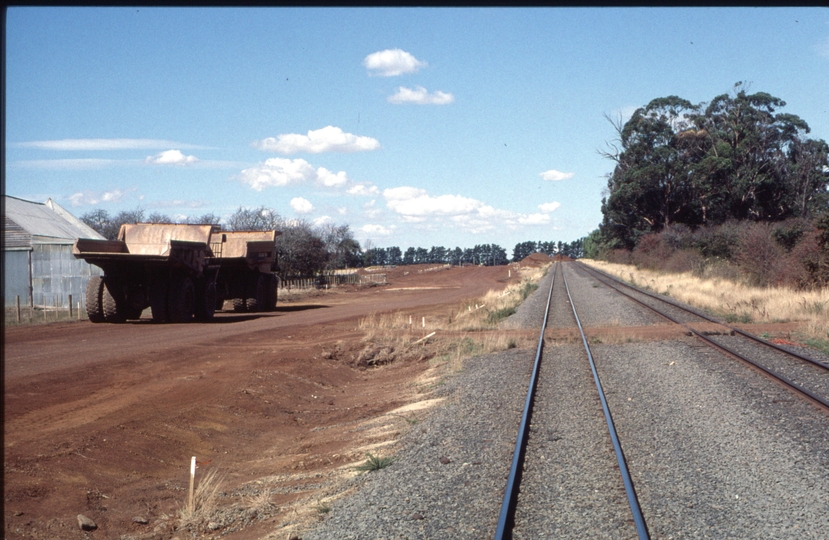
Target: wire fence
[[41, 313]]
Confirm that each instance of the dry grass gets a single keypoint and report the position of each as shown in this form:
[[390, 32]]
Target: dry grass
[[734, 301], [204, 504], [401, 335]]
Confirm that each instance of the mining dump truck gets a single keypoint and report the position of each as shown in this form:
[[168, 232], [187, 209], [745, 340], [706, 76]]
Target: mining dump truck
[[170, 268], [248, 263]]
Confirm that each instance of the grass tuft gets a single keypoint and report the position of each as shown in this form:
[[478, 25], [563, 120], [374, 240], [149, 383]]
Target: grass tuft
[[375, 463]]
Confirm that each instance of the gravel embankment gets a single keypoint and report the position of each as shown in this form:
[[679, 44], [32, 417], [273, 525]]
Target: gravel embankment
[[418, 496]]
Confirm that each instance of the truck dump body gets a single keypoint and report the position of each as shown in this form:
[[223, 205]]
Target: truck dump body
[[248, 262], [179, 271]]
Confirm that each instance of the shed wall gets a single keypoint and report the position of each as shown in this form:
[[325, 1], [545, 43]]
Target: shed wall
[[56, 274], [16, 277]]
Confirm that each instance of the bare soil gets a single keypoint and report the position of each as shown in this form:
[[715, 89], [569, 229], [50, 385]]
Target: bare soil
[[102, 420]]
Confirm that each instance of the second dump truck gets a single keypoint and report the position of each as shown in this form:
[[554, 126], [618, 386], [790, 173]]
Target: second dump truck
[[181, 272]]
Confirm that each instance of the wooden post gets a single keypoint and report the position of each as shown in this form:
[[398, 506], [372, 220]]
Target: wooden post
[[70, 306], [192, 481], [18, 308]]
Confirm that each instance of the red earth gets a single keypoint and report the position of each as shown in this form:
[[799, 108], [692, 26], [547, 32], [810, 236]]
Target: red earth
[[102, 419]]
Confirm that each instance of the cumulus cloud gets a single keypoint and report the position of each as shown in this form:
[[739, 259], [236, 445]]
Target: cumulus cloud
[[322, 220], [104, 144], [327, 139], [377, 230], [392, 62], [420, 96], [414, 202], [83, 198], [553, 175], [282, 172], [330, 179], [549, 206], [415, 205], [363, 189], [534, 219], [301, 205], [171, 157]]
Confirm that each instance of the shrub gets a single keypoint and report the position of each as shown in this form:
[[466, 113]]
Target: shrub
[[759, 255]]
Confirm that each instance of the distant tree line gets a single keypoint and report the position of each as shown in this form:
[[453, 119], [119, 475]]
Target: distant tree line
[[734, 158], [306, 249]]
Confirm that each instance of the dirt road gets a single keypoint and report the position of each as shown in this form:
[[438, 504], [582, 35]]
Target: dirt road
[[101, 420]]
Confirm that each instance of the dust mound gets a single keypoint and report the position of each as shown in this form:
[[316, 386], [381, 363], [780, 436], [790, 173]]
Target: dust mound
[[562, 258], [536, 259]]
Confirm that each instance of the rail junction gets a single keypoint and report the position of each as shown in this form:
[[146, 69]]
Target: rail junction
[[804, 377]]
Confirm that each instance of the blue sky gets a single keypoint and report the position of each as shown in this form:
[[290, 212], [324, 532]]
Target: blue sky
[[416, 127]]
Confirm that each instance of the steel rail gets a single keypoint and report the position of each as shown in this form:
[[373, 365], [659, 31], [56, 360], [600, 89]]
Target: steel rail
[[633, 501], [786, 382], [708, 318], [506, 519]]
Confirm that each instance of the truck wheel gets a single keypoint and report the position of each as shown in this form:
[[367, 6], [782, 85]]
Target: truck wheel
[[240, 305], [205, 300], [257, 299], [94, 306], [181, 300], [114, 309], [158, 299]]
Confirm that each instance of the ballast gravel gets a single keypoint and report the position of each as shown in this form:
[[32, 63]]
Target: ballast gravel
[[449, 477], [714, 450]]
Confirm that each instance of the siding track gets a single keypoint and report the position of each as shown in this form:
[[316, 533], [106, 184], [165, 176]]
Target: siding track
[[803, 375]]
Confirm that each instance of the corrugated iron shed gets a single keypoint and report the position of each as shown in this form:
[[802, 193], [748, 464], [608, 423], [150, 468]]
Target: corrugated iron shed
[[38, 266], [47, 223]]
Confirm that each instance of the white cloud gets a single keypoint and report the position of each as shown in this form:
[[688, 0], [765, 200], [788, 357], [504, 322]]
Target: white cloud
[[322, 220], [415, 205], [420, 96], [327, 139], [330, 179], [364, 189], [377, 230], [392, 62], [301, 205], [549, 206], [171, 157], [414, 202], [278, 172], [534, 219], [554, 175], [104, 144], [68, 164], [83, 198], [342, 210]]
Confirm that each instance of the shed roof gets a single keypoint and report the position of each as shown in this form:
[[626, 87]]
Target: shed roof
[[47, 223]]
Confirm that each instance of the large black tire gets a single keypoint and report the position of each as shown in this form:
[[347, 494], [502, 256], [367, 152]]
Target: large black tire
[[181, 300], [240, 305], [94, 304], [273, 282], [158, 298], [111, 297], [205, 299], [257, 299]]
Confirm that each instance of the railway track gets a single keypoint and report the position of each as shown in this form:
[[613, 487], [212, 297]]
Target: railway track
[[507, 521], [803, 376]]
